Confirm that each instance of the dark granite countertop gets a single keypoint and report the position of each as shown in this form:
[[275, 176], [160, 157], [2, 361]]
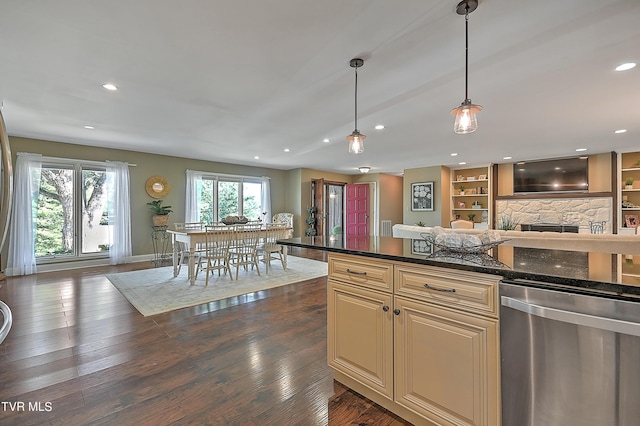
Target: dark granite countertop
[[589, 272]]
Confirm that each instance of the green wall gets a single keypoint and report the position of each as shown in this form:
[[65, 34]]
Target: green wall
[[433, 174], [173, 169]]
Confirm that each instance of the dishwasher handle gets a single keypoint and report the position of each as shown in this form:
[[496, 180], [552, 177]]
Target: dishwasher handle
[[603, 323]]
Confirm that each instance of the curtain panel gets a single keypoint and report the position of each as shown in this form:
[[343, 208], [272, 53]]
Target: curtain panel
[[21, 258]]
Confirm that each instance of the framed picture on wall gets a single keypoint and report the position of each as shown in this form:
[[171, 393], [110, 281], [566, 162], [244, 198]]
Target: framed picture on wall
[[421, 247], [631, 220], [422, 196]]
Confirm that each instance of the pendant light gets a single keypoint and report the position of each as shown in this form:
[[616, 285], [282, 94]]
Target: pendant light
[[466, 121], [356, 139]]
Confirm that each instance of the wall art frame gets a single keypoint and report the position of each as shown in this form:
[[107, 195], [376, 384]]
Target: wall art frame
[[422, 198], [631, 220]]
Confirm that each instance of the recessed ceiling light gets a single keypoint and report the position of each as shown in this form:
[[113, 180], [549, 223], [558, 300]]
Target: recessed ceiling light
[[326, 140], [462, 163], [287, 150], [379, 127], [581, 149], [89, 127], [453, 154], [620, 131], [110, 86], [507, 158], [626, 66], [256, 157]]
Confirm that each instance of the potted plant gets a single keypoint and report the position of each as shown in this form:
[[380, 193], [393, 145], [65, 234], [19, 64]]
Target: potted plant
[[476, 205], [628, 182], [507, 223], [160, 213], [471, 216], [461, 188]]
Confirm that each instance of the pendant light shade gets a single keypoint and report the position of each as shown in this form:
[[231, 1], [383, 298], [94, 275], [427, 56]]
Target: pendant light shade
[[356, 139], [466, 121], [356, 142]]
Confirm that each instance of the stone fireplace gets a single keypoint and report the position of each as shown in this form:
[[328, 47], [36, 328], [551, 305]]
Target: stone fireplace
[[563, 211]]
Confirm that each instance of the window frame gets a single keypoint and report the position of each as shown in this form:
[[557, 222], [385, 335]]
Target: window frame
[[77, 167]]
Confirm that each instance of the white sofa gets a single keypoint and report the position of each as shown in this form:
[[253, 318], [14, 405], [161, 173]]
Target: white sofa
[[607, 243]]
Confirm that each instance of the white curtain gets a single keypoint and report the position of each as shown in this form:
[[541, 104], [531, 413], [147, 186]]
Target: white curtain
[[21, 258], [118, 180], [266, 198], [192, 205]]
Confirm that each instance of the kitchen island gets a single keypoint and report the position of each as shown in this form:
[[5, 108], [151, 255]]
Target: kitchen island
[[417, 329]]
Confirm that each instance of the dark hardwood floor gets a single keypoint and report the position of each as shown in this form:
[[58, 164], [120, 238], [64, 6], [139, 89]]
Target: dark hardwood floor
[[79, 353]]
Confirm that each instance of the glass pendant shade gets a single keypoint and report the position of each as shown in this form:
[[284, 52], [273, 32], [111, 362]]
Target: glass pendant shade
[[466, 121], [356, 142]]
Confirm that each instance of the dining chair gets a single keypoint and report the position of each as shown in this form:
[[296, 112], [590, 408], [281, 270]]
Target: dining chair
[[461, 224], [183, 250], [286, 218], [269, 248], [244, 249], [216, 256]]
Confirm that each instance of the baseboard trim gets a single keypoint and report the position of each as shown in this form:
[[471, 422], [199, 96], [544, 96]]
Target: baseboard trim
[[88, 263]]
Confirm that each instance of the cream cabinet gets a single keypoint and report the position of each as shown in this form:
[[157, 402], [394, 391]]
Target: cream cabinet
[[361, 328], [446, 364], [429, 353]]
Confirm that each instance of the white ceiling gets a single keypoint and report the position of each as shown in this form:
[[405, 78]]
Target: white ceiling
[[230, 80]]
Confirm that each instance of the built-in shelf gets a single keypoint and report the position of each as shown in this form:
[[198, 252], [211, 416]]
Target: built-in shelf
[[476, 190], [628, 164], [462, 182]]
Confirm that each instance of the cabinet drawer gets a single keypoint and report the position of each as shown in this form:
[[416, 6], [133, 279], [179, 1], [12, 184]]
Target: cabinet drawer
[[474, 292], [359, 270]]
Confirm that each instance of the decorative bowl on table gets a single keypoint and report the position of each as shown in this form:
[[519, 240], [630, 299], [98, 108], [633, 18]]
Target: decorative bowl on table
[[235, 220]]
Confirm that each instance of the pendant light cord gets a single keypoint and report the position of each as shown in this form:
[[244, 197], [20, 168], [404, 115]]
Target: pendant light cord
[[356, 100], [466, 53]]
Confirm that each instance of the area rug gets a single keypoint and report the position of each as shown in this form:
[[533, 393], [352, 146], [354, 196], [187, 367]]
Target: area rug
[[154, 291]]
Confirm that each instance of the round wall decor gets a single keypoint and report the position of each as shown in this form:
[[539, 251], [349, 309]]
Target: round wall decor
[[157, 187]]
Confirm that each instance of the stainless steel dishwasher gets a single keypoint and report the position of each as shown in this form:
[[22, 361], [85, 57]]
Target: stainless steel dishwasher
[[568, 359]]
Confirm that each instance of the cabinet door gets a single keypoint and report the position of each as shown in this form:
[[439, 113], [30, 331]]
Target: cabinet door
[[447, 364], [360, 335]]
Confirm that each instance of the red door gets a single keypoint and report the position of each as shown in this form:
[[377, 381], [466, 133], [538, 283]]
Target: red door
[[357, 215]]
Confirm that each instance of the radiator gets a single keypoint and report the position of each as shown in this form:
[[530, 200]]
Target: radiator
[[386, 228]]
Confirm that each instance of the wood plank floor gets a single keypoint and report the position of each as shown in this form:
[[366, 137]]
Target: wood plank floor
[[79, 353]]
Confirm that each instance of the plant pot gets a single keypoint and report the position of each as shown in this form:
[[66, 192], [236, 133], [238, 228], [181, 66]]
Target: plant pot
[[628, 187], [160, 220], [461, 192]]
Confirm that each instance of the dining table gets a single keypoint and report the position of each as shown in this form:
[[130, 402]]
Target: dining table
[[194, 237]]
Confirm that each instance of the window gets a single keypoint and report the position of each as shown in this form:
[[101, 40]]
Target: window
[[72, 214], [219, 196], [233, 198]]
